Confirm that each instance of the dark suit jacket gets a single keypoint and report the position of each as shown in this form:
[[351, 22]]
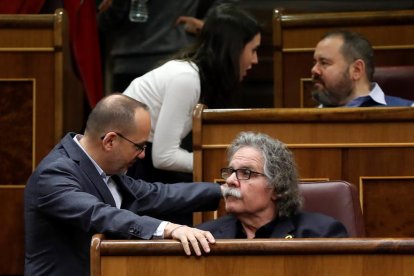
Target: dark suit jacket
[[301, 225], [390, 100], [66, 202]]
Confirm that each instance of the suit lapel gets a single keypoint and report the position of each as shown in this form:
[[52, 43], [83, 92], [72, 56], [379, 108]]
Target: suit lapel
[[97, 181], [127, 195], [86, 166]]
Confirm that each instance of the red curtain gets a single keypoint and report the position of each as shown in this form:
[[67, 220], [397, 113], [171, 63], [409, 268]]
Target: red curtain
[[83, 31], [21, 6]]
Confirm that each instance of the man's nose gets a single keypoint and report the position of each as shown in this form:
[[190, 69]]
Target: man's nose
[[232, 180], [315, 69]]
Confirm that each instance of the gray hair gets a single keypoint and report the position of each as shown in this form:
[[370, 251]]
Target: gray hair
[[279, 167]]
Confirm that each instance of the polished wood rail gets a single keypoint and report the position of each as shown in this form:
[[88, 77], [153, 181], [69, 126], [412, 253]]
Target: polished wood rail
[[368, 256]]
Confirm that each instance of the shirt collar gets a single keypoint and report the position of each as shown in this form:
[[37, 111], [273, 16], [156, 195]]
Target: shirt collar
[[105, 177], [376, 95]]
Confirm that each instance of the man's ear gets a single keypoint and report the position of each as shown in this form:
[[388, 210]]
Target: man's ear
[[274, 196], [107, 140], [357, 69]]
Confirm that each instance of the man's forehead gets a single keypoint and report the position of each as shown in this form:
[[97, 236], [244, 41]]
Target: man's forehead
[[248, 155], [333, 44]]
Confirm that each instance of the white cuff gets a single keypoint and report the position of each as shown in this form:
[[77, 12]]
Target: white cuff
[[159, 233]]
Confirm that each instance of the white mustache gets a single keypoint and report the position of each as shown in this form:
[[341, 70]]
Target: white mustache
[[230, 191]]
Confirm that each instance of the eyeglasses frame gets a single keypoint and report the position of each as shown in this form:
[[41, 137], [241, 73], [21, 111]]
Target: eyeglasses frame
[[237, 170], [139, 148]]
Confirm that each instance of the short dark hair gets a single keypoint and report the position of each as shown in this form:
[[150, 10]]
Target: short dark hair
[[113, 113], [226, 31], [279, 167], [356, 47]]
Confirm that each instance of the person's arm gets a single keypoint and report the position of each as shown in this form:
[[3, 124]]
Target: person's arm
[[158, 198], [190, 236], [104, 5], [191, 24], [65, 195], [60, 196], [174, 123], [194, 25]]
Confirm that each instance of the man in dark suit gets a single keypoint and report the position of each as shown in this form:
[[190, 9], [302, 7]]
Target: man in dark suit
[[262, 196], [80, 188]]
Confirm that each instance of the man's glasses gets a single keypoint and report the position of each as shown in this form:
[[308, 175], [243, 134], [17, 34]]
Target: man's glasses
[[241, 174], [139, 148]]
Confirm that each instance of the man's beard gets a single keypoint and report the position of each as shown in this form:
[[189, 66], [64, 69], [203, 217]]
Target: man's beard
[[335, 96], [231, 191], [323, 98]]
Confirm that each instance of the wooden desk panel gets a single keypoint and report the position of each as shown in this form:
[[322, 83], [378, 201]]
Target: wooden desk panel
[[387, 205], [11, 231], [255, 257]]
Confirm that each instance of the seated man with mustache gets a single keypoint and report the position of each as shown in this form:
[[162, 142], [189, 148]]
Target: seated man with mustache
[[262, 195], [343, 73]]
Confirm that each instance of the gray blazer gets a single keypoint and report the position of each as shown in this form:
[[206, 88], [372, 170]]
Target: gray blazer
[[66, 202]]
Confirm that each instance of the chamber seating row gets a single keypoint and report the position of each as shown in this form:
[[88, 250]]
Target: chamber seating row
[[371, 148], [296, 35]]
